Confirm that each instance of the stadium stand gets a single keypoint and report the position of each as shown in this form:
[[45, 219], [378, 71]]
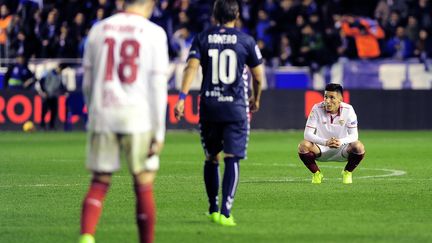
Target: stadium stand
[[320, 35]]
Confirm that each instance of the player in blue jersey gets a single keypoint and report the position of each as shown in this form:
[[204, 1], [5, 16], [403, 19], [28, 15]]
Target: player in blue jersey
[[224, 53]]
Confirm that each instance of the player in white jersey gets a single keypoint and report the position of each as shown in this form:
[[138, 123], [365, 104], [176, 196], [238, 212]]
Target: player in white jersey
[[125, 86], [331, 135]]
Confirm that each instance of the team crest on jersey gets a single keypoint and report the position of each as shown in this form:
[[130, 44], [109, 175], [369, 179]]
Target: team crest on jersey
[[341, 122]]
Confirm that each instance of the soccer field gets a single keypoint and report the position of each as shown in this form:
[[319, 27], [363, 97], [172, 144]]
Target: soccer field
[[43, 181]]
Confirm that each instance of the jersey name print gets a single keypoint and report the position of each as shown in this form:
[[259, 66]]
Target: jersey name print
[[224, 54]]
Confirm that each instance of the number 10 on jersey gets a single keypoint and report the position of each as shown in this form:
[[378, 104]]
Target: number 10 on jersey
[[224, 65]]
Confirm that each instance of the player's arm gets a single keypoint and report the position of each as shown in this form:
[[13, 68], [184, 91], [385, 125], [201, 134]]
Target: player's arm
[[87, 85], [352, 129], [257, 80], [189, 75], [158, 88], [311, 127], [310, 135]]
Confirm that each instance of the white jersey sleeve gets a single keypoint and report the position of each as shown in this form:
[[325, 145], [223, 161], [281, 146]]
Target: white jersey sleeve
[[158, 86], [87, 66], [351, 126], [311, 127]]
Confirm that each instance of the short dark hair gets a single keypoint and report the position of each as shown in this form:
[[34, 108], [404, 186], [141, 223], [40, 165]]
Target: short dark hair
[[225, 11], [334, 87]]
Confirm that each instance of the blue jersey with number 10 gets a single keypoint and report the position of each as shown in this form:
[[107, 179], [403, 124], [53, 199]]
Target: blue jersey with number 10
[[224, 53]]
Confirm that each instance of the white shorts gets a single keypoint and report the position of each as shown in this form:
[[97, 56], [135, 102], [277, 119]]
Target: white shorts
[[333, 154], [104, 151]]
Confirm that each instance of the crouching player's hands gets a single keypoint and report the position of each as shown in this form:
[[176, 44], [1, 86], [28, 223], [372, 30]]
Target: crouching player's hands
[[333, 142]]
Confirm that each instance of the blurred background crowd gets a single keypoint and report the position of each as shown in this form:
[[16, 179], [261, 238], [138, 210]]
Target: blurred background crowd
[[310, 33]]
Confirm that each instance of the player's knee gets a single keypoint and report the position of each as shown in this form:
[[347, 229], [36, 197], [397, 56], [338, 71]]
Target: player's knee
[[213, 159], [305, 146], [144, 178], [102, 177], [357, 147]]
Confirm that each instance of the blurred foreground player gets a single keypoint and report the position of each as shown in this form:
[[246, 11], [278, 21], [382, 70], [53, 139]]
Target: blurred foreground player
[[125, 87], [223, 53], [331, 135]]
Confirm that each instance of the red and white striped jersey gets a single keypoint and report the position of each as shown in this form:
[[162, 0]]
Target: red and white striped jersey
[[125, 82]]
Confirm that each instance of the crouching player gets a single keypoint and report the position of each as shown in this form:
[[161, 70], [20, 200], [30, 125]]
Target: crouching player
[[331, 135]]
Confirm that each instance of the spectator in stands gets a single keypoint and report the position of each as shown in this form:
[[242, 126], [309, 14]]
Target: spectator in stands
[[22, 45], [48, 35], [423, 49], [284, 16], [182, 41], [262, 28], [382, 12], [12, 32], [266, 52], [106, 5], [119, 6], [316, 23], [65, 45], [285, 52], [392, 23], [366, 33], [50, 87], [18, 76], [400, 46], [5, 20], [313, 53], [412, 28], [100, 14], [423, 12], [78, 28]]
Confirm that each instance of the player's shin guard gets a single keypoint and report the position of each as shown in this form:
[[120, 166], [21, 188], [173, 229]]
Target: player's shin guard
[[211, 180], [145, 212], [92, 207], [353, 161], [229, 184], [309, 161]]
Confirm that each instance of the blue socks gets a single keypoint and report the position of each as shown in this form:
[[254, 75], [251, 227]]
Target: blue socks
[[211, 179], [229, 184]]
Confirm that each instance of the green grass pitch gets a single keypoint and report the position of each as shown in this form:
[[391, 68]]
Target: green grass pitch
[[43, 181]]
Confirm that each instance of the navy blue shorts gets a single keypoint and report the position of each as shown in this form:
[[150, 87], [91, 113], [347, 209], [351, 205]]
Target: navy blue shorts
[[231, 137]]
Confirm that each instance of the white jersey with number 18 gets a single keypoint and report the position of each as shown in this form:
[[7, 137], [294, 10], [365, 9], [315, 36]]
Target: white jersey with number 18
[[125, 81]]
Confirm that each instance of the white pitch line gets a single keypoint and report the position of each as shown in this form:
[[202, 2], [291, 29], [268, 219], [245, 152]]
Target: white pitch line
[[41, 185], [392, 173]]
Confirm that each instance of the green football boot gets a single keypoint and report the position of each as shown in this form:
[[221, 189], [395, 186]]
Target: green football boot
[[214, 217], [86, 238], [224, 221], [346, 177], [317, 177]]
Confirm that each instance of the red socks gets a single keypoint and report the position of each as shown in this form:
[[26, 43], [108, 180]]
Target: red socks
[[353, 161], [92, 207], [309, 160], [145, 209], [146, 212]]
